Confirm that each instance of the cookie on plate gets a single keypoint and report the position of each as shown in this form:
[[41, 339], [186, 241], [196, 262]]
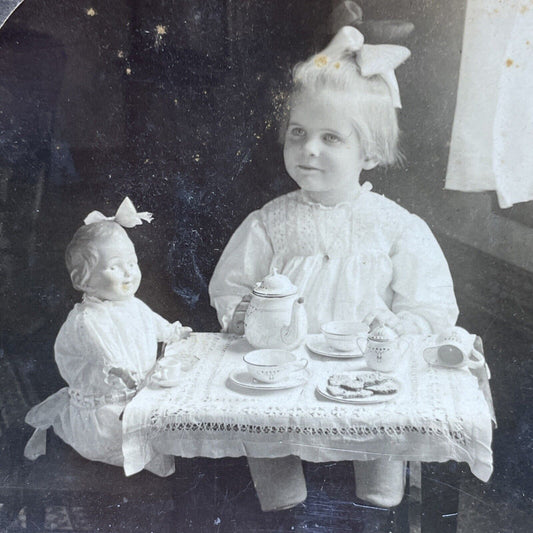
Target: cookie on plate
[[373, 378], [362, 393], [339, 392], [335, 390], [346, 381], [386, 387]]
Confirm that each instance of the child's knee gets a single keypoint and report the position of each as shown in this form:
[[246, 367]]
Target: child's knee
[[380, 482]]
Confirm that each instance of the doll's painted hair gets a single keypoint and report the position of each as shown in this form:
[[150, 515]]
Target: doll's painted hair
[[368, 101], [81, 255]]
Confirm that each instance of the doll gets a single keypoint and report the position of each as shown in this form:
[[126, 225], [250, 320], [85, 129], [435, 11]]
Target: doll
[[106, 348]]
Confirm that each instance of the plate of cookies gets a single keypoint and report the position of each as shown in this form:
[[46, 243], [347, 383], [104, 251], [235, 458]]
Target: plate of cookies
[[360, 387]]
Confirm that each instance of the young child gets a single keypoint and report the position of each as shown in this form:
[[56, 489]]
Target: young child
[[353, 254], [107, 346]]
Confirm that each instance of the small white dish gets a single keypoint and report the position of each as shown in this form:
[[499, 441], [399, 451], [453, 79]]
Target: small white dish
[[165, 382], [318, 344], [244, 379]]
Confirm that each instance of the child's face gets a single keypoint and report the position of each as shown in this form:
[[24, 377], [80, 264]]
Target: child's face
[[322, 150], [116, 276]]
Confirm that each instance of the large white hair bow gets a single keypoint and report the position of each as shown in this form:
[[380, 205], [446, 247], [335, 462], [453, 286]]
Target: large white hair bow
[[372, 59], [126, 215]]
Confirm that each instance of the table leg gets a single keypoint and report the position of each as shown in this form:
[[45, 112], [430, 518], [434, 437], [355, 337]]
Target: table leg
[[414, 502], [440, 490], [279, 482]]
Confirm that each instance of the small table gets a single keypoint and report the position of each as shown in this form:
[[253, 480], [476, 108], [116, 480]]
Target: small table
[[439, 414]]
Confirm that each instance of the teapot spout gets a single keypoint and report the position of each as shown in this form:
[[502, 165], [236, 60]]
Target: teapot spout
[[293, 334]]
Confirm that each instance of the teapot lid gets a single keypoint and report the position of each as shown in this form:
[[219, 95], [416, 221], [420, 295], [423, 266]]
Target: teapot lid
[[275, 286], [383, 333]]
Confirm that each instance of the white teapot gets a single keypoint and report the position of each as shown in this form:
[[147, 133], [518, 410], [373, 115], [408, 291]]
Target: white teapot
[[276, 316]]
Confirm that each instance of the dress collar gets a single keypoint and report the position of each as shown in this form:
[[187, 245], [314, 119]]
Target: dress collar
[[86, 299], [364, 188]]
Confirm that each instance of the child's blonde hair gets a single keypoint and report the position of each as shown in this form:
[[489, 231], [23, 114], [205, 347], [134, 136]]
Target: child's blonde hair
[[369, 102], [81, 255]]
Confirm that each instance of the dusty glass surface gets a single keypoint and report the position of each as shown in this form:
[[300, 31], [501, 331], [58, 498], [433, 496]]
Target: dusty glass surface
[[177, 105]]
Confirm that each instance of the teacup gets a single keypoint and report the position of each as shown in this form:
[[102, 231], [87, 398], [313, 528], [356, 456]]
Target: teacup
[[345, 335], [271, 365], [454, 349], [168, 369]]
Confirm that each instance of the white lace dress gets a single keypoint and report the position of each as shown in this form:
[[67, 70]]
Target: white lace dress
[[348, 260], [104, 351]]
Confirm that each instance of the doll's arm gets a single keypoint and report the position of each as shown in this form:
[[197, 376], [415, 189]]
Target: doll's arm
[[167, 332], [423, 301], [124, 376], [245, 260]]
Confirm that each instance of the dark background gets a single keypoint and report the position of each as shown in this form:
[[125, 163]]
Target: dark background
[[176, 104]]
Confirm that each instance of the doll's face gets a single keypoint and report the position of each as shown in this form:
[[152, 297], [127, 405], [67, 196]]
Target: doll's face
[[322, 150], [116, 276]]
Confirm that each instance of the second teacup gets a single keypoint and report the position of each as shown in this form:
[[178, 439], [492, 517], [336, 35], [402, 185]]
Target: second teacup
[[271, 365], [454, 349], [168, 369], [345, 335]]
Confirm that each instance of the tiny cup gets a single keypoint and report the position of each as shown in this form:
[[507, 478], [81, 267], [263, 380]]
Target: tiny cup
[[168, 369], [345, 335], [454, 349], [271, 366]]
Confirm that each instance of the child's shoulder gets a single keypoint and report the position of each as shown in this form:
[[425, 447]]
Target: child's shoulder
[[376, 203], [391, 218]]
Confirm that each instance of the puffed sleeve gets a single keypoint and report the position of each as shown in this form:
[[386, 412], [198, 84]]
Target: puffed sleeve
[[86, 352], [423, 297], [245, 260]]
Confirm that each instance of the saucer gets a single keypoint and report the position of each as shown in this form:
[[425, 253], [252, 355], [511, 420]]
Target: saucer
[[318, 344], [165, 382], [242, 378]]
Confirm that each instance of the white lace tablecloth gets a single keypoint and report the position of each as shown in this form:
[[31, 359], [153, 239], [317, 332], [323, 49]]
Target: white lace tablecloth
[[440, 414]]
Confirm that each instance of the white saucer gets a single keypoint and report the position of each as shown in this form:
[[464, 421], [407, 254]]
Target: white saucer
[[376, 398], [318, 344], [165, 382], [242, 378]]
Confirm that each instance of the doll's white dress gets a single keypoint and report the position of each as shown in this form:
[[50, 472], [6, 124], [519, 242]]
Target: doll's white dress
[[347, 261], [99, 342]]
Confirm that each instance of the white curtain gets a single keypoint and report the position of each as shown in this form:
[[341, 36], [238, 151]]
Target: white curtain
[[492, 138]]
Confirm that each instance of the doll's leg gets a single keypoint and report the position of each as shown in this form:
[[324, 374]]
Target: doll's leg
[[279, 482], [380, 482]]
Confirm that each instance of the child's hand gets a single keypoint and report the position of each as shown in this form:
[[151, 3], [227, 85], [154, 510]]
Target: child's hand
[[385, 317], [237, 322], [184, 332]]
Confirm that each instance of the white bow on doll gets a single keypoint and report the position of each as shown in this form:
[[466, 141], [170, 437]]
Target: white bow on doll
[[377, 59], [126, 215]]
